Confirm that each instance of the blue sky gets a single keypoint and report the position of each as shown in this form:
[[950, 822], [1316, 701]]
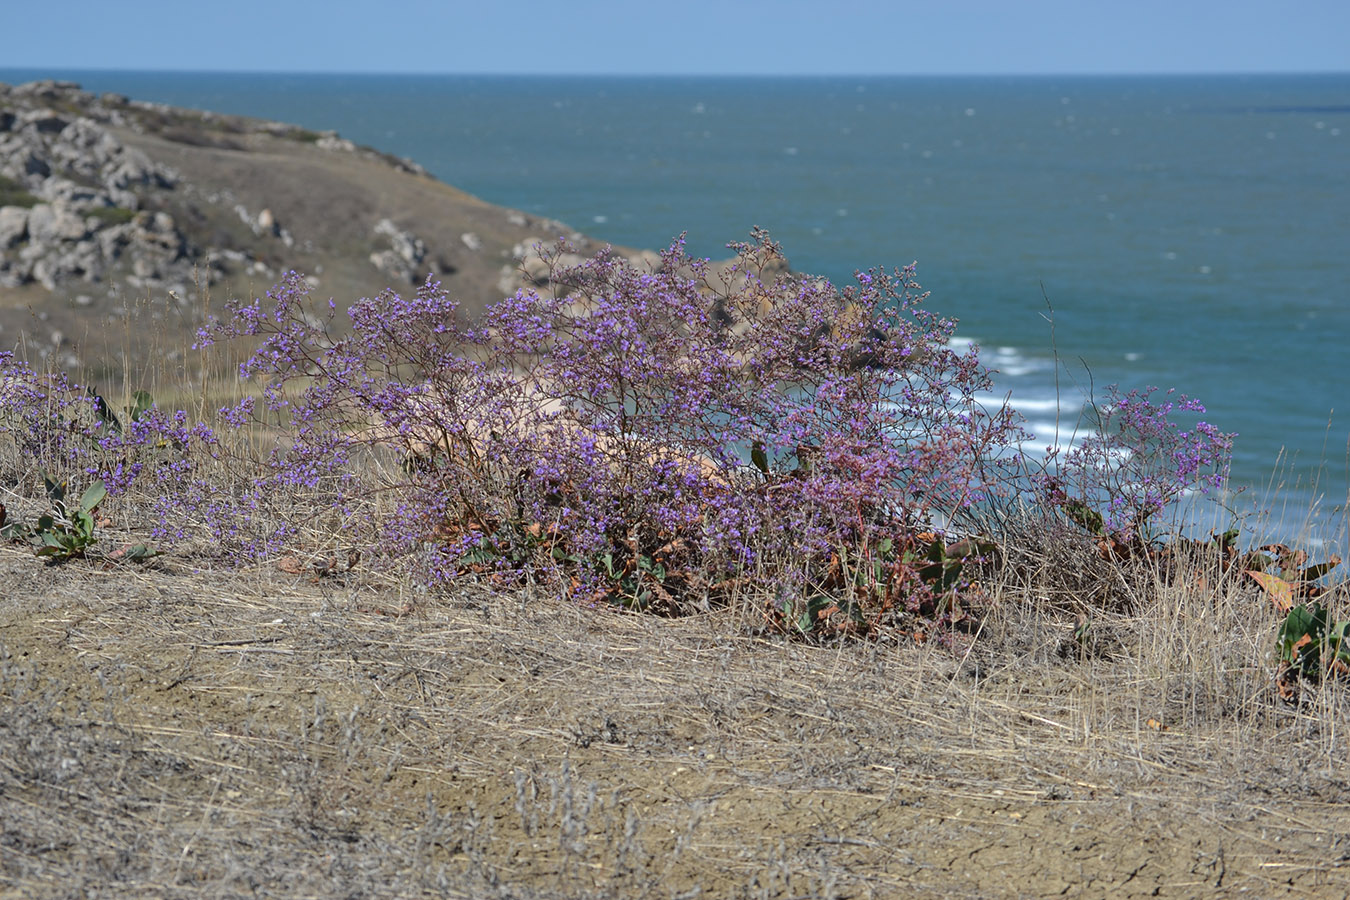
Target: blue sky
[[686, 36]]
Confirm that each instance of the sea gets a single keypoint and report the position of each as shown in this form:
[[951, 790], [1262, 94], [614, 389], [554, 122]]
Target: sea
[[1186, 232]]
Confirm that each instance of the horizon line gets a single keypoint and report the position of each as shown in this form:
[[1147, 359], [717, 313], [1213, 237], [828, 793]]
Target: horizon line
[[1235, 73]]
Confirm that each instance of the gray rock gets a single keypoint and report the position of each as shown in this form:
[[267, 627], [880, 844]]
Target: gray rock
[[48, 90], [50, 224], [42, 121], [111, 241], [393, 265], [133, 168], [13, 225], [62, 192], [144, 267], [406, 244], [86, 147], [44, 271], [79, 261], [335, 144]]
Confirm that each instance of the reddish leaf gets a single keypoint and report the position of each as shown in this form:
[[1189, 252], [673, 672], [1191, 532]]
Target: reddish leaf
[[291, 566], [1280, 592]]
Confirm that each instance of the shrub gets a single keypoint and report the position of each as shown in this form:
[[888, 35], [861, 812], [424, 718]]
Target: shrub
[[12, 193], [661, 438], [640, 436], [112, 215], [58, 431]]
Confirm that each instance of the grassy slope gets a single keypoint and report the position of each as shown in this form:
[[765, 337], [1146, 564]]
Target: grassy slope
[[175, 731], [329, 201]]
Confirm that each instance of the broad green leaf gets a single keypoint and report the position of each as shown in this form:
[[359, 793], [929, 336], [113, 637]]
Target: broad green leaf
[[1087, 517], [759, 457], [1312, 573], [56, 491], [93, 496], [102, 410]]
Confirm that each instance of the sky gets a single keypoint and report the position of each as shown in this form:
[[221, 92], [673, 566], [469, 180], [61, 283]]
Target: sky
[[688, 37]]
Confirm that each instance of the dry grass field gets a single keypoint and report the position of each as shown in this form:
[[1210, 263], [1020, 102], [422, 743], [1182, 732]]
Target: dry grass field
[[174, 730]]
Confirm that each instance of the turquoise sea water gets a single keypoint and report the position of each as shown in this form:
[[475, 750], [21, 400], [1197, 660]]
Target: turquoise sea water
[[1188, 231]]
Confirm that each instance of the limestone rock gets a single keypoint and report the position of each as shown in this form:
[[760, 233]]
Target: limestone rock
[[41, 121], [13, 225], [403, 260], [49, 224]]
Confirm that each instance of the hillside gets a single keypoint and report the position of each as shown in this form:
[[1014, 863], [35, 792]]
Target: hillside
[[109, 204]]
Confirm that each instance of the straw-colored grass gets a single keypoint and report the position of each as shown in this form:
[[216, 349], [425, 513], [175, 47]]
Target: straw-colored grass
[[189, 727]]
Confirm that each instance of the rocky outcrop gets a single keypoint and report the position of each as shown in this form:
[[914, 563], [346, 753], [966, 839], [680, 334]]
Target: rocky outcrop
[[403, 261], [82, 202], [112, 208], [71, 192]]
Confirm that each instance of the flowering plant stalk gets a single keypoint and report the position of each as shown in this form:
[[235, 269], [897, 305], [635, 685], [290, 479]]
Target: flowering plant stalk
[[1140, 461]]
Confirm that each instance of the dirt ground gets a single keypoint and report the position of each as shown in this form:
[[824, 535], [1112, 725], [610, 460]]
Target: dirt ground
[[169, 731]]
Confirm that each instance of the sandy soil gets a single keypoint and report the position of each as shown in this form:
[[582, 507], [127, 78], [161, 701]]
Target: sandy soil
[[170, 731]]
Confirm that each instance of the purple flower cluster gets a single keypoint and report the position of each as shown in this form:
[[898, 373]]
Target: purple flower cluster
[[645, 430], [639, 416], [68, 432], [1142, 459]]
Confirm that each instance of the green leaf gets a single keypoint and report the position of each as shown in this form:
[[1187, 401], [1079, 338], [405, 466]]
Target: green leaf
[[1312, 573], [103, 412], [1300, 622], [56, 491], [93, 496], [1085, 516], [82, 524], [759, 457], [141, 403]]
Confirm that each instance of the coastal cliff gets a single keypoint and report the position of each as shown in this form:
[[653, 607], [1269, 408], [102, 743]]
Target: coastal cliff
[[110, 205]]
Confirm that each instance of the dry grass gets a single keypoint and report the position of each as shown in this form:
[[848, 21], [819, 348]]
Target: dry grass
[[172, 731], [189, 729]]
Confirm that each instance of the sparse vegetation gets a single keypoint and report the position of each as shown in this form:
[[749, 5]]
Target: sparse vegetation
[[112, 215], [12, 193], [392, 647]]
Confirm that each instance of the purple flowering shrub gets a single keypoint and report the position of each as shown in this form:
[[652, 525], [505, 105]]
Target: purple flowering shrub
[[661, 437], [1140, 461], [67, 433], [644, 437]]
